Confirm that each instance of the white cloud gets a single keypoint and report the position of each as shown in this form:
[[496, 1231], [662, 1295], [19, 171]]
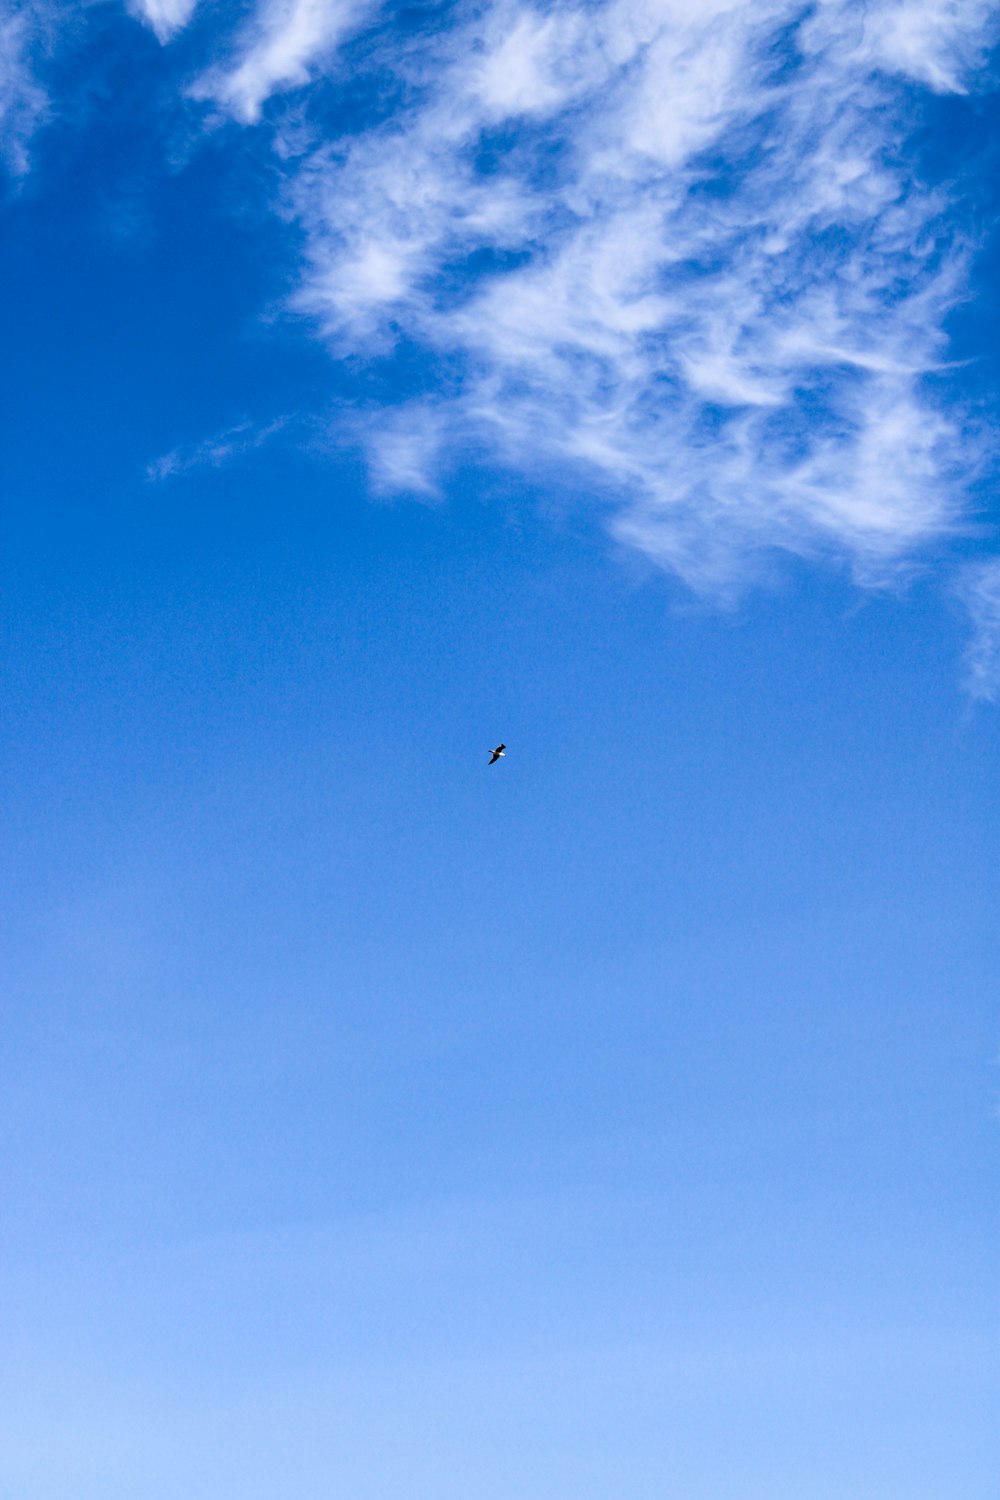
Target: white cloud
[[672, 256], [23, 102], [213, 452], [165, 18], [980, 591], [709, 282], [403, 449], [286, 41], [936, 42]]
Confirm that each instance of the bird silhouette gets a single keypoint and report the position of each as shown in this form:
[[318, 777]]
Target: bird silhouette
[[495, 756]]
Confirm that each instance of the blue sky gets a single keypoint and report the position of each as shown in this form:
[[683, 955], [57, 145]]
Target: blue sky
[[617, 380]]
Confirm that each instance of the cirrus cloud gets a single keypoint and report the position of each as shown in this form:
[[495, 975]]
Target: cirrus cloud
[[979, 590], [678, 252], [675, 257], [24, 104]]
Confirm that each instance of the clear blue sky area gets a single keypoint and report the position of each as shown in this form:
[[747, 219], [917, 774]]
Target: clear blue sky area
[[619, 1121]]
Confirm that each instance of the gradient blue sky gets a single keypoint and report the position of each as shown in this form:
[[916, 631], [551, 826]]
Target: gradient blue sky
[[617, 380]]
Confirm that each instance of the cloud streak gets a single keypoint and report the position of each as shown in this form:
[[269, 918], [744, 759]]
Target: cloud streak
[[24, 105], [213, 452], [979, 590]]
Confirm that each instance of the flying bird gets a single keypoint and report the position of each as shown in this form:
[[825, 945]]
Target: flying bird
[[495, 756]]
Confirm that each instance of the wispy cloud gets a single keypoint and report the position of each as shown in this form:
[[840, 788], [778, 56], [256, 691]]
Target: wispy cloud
[[979, 588], [24, 104], [214, 452], [675, 250], [403, 450], [671, 256], [165, 18], [937, 42], [281, 48]]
